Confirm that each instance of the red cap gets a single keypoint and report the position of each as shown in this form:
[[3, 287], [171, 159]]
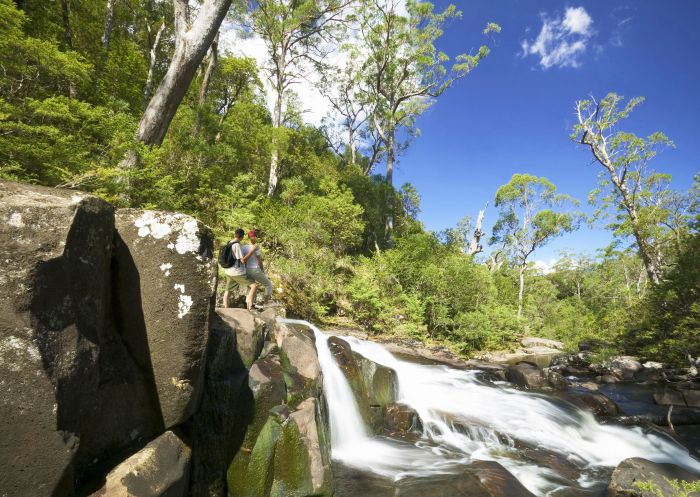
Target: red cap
[[252, 234]]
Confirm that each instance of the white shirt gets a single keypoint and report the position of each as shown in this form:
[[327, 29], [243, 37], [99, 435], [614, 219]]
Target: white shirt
[[252, 262], [238, 269]]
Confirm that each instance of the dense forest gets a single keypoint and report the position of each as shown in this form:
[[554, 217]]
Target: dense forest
[[136, 101]]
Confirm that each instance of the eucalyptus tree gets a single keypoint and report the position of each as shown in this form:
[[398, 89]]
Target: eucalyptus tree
[[627, 188], [298, 34], [405, 70], [349, 94], [528, 220], [193, 38]]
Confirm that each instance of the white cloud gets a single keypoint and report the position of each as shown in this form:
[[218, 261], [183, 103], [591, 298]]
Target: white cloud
[[545, 267], [561, 41]]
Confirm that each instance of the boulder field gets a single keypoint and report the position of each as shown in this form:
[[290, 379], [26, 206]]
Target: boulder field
[[120, 378]]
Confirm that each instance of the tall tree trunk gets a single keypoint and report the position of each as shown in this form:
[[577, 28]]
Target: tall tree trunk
[[646, 252], [276, 123], [352, 145], [190, 48], [211, 65], [474, 246], [152, 63], [68, 40], [206, 80], [521, 289], [109, 20], [390, 154]]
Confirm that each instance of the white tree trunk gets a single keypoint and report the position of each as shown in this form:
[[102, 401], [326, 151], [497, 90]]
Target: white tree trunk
[[152, 64], [190, 48], [521, 290], [276, 123], [109, 20], [390, 154], [474, 246]]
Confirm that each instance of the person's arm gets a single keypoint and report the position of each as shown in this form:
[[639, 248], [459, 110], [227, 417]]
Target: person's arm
[[249, 254]]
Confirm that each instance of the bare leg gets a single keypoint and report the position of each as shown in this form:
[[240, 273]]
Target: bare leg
[[226, 299], [250, 299]]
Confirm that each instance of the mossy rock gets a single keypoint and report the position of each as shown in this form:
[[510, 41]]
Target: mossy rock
[[381, 382], [251, 475]]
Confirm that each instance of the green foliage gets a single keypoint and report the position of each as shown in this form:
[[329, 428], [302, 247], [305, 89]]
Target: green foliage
[[670, 328], [680, 488], [69, 107]]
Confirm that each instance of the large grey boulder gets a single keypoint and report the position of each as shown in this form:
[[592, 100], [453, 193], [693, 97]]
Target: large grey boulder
[[636, 470], [160, 469], [166, 280], [299, 359], [249, 330], [529, 375], [71, 390]]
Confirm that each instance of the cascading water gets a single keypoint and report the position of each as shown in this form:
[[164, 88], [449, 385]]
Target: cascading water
[[466, 418]]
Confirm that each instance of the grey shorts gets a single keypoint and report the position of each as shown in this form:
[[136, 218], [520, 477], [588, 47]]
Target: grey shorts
[[233, 282]]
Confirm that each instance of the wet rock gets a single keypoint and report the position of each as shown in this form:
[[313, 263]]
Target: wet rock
[[346, 361], [607, 379], [381, 383], [631, 471], [160, 469], [302, 371], [290, 457], [166, 282], [267, 385], [541, 342], [479, 479], [528, 375], [669, 397], [72, 392], [218, 427], [302, 455], [496, 371], [692, 398], [594, 402], [399, 419], [250, 332]]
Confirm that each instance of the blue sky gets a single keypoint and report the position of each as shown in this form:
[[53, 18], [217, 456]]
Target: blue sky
[[514, 115]]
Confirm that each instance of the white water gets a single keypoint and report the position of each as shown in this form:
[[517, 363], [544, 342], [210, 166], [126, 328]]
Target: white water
[[467, 419]]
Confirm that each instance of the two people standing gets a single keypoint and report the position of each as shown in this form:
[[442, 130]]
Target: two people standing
[[247, 269]]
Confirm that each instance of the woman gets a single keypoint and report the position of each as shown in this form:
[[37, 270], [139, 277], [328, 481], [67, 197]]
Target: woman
[[254, 267]]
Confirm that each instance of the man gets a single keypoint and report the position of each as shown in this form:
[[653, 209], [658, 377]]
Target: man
[[236, 276], [254, 267]]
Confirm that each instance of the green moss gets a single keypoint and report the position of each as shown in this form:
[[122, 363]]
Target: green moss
[[256, 480], [292, 476]]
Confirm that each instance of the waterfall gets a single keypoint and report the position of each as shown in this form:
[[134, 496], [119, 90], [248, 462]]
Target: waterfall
[[466, 418]]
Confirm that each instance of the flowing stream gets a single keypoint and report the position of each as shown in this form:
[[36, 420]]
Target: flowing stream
[[467, 417]]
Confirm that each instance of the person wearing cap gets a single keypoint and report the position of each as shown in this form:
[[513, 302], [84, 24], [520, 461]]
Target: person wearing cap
[[254, 266], [236, 275]]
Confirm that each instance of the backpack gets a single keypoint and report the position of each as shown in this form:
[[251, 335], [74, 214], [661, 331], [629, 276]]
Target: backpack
[[226, 258]]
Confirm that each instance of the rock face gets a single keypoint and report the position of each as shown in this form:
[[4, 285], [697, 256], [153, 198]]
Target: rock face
[[631, 471], [218, 427], [250, 332], [375, 386], [285, 451], [160, 469], [528, 375], [73, 390], [165, 261], [103, 335]]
